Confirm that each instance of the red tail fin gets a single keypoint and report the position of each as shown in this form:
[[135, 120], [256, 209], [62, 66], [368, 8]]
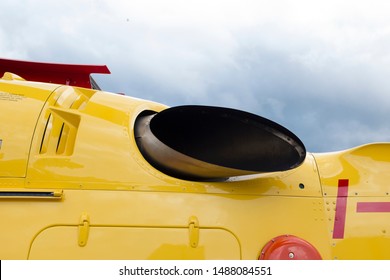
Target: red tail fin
[[67, 74]]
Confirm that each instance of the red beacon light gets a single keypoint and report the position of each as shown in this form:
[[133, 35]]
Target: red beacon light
[[289, 247]]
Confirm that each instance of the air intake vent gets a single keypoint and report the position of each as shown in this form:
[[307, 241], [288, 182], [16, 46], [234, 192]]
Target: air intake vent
[[62, 121], [60, 133]]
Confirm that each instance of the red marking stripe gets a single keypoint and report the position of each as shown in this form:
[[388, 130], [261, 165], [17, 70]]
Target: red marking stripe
[[341, 209], [370, 207]]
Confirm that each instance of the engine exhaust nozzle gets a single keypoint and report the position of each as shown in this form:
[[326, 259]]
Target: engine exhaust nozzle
[[214, 143]]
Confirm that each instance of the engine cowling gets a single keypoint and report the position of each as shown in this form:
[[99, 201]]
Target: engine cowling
[[214, 143]]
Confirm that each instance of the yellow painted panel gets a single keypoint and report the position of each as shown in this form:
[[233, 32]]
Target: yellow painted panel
[[60, 242], [367, 169], [20, 107]]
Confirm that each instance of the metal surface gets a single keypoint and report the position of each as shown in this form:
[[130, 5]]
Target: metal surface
[[66, 74], [203, 142]]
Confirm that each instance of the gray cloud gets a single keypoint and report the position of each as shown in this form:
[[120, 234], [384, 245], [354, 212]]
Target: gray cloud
[[321, 70]]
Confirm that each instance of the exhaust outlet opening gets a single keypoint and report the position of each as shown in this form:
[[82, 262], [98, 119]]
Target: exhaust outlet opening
[[214, 143]]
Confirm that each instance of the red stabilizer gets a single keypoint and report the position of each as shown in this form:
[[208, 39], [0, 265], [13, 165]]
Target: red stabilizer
[[67, 74]]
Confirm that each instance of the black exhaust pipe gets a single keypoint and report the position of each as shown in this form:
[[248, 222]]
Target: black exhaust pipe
[[214, 143]]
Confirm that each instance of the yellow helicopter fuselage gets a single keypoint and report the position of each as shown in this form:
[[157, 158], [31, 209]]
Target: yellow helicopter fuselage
[[75, 185]]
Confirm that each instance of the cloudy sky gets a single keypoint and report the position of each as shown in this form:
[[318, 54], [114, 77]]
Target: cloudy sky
[[320, 68]]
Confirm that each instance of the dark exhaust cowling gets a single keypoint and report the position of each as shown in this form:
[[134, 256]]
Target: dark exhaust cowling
[[213, 143]]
